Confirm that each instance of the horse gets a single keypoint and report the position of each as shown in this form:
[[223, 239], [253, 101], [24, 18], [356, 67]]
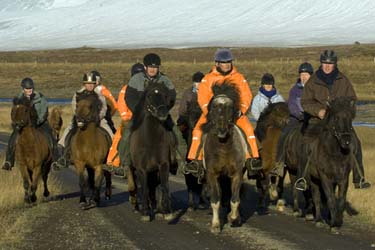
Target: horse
[[150, 153], [224, 152], [33, 154], [293, 150], [89, 148], [330, 159], [56, 122], [268, 129]]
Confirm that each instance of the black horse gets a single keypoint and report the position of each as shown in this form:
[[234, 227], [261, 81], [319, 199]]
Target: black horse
[[150, 153], [331, 157], [224, 152]]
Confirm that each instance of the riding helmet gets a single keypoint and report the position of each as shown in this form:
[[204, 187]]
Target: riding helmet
[[136, 68], [329, 57], [151, 59], [96, 74], [89, 78], [27, 83], [306, 67], [198, 76], [223, 55], [267, 79]]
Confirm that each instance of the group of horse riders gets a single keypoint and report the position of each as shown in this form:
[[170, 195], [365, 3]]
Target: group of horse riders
[[307, 101]]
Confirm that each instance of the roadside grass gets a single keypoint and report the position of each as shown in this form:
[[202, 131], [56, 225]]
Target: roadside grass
[[12, 206]]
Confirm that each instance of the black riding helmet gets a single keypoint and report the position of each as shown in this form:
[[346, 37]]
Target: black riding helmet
[[197, 77], [267, 79], [136, 68], [89, 78], [151, 59], [329, 57], [306, 67], [27, 83]]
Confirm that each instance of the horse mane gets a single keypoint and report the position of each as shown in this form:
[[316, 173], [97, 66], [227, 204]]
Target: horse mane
[[23, 100], [228, 89], [275, 115]]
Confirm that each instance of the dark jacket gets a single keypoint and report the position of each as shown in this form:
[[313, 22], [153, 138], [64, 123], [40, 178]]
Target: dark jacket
[[137, 85], [294, 102], [316, 93]]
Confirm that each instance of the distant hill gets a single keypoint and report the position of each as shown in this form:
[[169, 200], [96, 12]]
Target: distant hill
[[56, 24]]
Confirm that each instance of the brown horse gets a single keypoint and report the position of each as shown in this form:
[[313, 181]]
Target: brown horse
[[268, 130], [56, 122], [90, 147], [33, 154], [224, 151]]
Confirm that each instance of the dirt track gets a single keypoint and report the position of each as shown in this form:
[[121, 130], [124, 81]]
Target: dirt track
[[61, 224]]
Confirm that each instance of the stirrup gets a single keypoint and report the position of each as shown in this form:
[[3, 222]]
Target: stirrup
[[108, 167], [301, 184], [193, 168], [255, 164]]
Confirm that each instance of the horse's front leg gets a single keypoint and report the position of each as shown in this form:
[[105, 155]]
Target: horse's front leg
[[34, 182], [329, 192], [80, 167], [98, 178], [234, 217], [164, 186], [341, 201], [215, 195], [132, 188], [317, 202], [45, 172], [143, 194], [262, 186], [26, 183], [108, 185]]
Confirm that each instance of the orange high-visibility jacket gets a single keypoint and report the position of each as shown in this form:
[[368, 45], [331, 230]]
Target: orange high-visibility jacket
[[124, 111], [205, 88], [109, 97]]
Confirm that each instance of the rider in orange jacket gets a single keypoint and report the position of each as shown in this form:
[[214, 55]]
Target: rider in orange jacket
[[113, 158], [223, 71]]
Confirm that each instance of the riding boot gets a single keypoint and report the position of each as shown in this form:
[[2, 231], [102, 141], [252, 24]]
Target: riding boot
[[10, 153], [64, 153], [253, 166], [358, 171]]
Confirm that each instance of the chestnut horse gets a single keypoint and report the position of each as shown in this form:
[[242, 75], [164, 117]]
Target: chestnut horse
[[56, 122], [33, 155], [90, 146]]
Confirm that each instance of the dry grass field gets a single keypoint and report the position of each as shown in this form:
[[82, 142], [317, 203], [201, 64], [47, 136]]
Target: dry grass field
[[58, 74]]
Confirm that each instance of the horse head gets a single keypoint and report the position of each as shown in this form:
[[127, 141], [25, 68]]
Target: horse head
[[340, 114], [87, 108], [157, 100], [23, 114], [223, 109]]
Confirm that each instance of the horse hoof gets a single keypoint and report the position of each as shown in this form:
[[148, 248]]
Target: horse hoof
[[280, 205], [335, 230], [107, 197], [215, 230], [273, 193], [169, 216], [319, 224], [145, 218], [297, 213], [309, 217], [82, 205]]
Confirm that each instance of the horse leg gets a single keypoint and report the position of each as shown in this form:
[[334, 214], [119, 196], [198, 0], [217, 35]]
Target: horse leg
[[164, 186], [297, 212], [132, 188], [108, 185], [261, 184], [280, 204], [341, 201], [81, 179], [329, 192], [142, 193], [190, 181], [26, 184], [34, 183], [98, 179], [45, 178], [234, 217], [317, 202], [215, 196]]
